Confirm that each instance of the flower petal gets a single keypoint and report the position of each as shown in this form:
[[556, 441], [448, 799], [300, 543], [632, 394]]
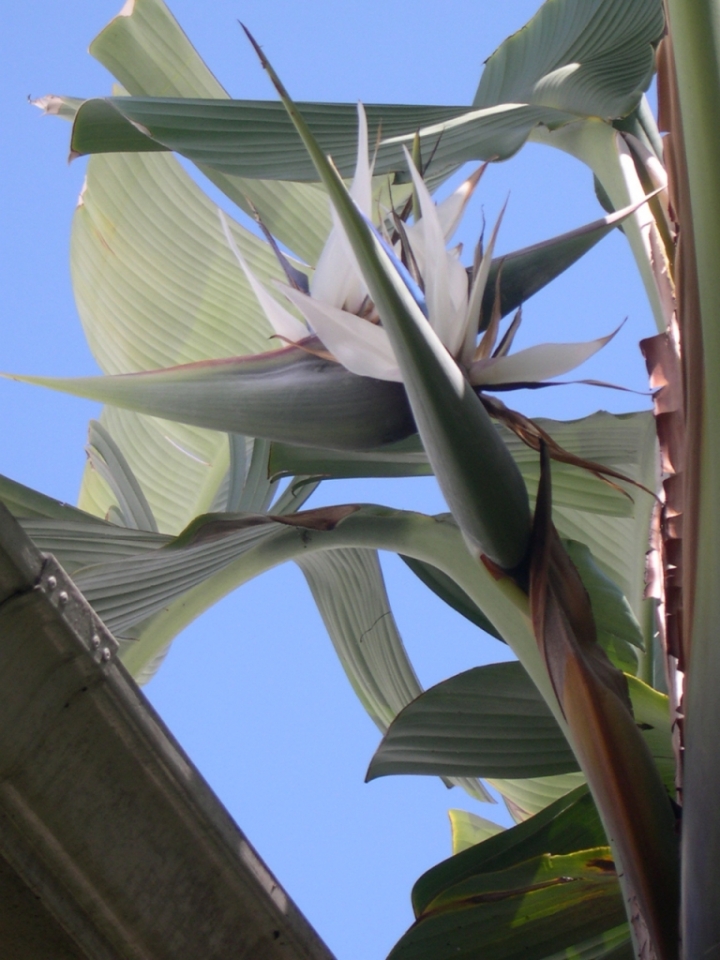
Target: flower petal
[[446, 316], [451, 210], [282, 321], [474, 306], [337, 279], [360, 346], [535, 364]]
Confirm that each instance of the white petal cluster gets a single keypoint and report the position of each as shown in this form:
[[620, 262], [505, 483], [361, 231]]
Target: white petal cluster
[[339, 311]]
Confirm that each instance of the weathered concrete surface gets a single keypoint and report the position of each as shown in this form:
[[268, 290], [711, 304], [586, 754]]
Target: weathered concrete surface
[[111, 844]]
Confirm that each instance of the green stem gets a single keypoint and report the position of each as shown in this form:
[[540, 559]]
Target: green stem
[[695, 31]]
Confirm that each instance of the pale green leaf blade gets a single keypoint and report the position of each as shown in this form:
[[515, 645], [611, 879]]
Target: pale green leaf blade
[[468, 829], [125, 592], [611, 611], [180, 468], [154, 279], [349, 590], [148, 52], [257, 490], [288, 395], [652, 714], [487, 722], [526, 797], [615, 440], [530, 910], [23, 501], [156, 285], [618, 544], [78, 544], [570, 823], [108, 460], [451, 593], [591, 59]]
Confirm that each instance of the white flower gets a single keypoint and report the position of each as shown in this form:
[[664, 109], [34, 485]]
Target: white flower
[[339, 311]]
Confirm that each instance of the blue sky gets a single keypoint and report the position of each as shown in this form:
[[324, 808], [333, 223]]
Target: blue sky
[[253, 690]]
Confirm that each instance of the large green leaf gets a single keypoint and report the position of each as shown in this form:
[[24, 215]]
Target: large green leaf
[[490, 721], [527, 796], [148, 52], [288, 395], [141, 218], [617, 627], [349, 590], [154, 279], [180, 468], [570, 823], [451, 593], [618, 543], [624, 442], [109, 461], [468, 829], [598, 64], [23, 501], [232, 136], [652, 714], [80, 544], [591, 59], [549, 906]]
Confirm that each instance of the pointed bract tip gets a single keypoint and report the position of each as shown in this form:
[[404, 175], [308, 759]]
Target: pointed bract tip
[[50, 104]]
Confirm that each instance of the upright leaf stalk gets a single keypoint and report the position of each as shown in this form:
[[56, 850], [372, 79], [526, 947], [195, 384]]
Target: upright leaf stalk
[[695, 32]]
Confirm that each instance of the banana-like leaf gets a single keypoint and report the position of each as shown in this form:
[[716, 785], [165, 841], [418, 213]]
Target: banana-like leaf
[[451, 593], [108, 460], [550, 906], [575, 75], [526, 797], [570, 823], [618, 544], [349, 590], [230, 136], [624, 442], [148, 52], [288, 395], [468, 829], [23, 501], [179, 468], [652, 714], [592, 60], [80, 544], [476, 474], [491, 722], [128, 591], [486, 722], [142, 218], [616, 624], [249, 489], [154, 279]]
